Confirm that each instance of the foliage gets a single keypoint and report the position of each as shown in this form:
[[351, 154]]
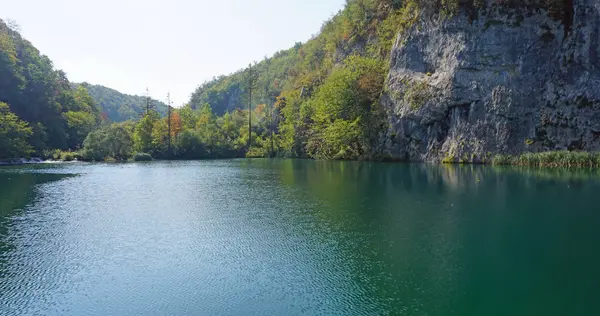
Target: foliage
[[14, 134], [67, 156], [143, 135], [112, 141], [142, 157], [59, 115], [79, 125], [416, 94], [345, 108], [119, 107], [314, 91], [190, 145], [176, 124]]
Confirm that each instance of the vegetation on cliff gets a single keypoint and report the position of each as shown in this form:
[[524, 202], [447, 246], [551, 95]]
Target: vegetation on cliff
[[324, 94]]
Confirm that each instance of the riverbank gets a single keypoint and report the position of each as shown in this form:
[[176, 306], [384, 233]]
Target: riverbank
[[550, 159]]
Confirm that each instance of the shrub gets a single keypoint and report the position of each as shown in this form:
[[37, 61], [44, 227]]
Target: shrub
[[54, 154], [142, 157], [63, 155], [417, 94], [67, 156]]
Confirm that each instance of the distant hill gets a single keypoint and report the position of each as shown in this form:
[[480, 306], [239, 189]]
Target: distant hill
[[120, 107]]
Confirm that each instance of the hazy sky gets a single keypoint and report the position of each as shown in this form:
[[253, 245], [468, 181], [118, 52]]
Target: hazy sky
[[165, 45]]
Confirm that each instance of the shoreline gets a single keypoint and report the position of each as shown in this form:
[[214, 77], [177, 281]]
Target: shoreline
[[30, 161], [542, 160], [20, 161]]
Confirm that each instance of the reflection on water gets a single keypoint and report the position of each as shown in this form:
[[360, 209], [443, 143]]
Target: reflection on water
[[16, 191], [291, 237]]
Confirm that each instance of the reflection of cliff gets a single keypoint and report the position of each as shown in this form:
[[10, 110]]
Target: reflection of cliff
[[453, 238], [394, 223]]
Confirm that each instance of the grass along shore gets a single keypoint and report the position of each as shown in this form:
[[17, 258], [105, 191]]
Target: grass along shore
[[552, 159]]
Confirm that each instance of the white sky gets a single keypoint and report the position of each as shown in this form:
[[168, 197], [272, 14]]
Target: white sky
[[165, 45]]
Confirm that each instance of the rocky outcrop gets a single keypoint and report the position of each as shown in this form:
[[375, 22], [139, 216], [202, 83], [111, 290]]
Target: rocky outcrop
[[507, 81]]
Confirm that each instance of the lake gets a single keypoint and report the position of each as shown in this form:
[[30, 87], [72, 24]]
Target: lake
[[296, 237]]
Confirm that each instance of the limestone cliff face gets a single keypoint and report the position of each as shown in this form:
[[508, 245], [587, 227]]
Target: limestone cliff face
[[508, 81]]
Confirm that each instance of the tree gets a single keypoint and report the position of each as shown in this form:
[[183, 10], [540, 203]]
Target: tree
[[149, 107], [110, 141], [189, 145], [143, 132], [118, 143], [94, 147], [188, 117], [169, 110], [251, 79], [79, 124], [176, 124], [344, 113], [13, 25], [14, 134], [160, 138]]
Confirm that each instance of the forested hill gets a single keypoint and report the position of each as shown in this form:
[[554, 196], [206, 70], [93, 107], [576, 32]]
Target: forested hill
[[120, 107], [39, 109], [326, 90], [433, 80], [227, 93]]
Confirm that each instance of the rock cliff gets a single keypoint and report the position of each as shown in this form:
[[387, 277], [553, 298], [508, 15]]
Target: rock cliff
[[501, 80]]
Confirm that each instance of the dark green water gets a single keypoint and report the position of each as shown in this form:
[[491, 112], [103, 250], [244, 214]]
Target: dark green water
[[283, 237]]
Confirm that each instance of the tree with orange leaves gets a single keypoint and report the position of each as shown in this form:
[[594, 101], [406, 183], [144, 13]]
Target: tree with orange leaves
[[176, 124]]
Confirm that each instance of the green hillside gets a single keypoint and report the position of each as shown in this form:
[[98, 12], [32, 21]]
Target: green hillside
[[120, 107], [329, 87], [39, 109]]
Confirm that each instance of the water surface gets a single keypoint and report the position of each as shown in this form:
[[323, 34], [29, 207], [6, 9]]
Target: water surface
[[293, 237]]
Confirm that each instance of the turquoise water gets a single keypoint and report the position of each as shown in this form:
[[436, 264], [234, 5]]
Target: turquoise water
[[294, 237]]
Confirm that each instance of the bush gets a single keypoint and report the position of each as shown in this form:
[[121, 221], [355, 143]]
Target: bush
[[67, 156], [142, 157], [63, 155]]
